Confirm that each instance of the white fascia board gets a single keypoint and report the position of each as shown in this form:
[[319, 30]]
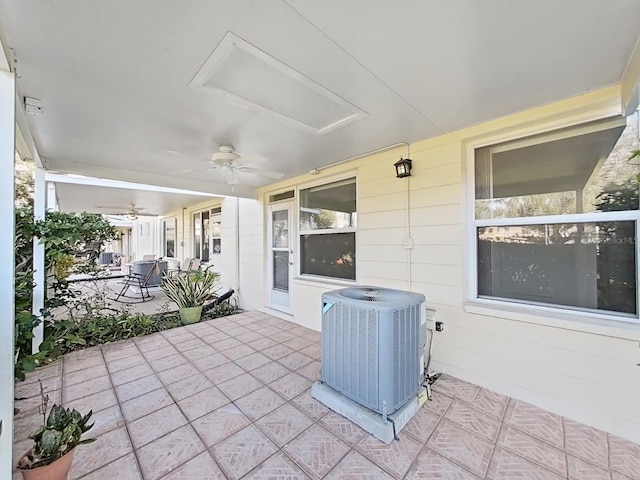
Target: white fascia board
[[102, 182]]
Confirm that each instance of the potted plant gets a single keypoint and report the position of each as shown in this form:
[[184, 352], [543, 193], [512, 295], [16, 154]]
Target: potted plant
[[54, 442], [189, 290]]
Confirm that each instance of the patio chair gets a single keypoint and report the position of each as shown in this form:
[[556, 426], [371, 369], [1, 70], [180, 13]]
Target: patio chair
[[149, 256], [195, 264], [141, 284]]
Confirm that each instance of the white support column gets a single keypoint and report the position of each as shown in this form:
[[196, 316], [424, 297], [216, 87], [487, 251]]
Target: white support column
[[7, 266], [39, 203]]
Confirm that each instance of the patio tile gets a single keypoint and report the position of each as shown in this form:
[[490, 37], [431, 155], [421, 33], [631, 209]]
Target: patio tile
[[473, 420], [252, 361], [240, 351], [438, 404], [226, 344], [298, 343], [162, 352], [490, 402], [212, 338], [261, 343], [138, 387], [189, 386], [624, 456], [239, 386], [314, 351], [54, 369], [126, 362], [202, 403], [73, 365], [456, 388], [202, 467], [295, 360], [422, 425], [466, 449], [151, 342], [507, 466], [145, 404], [277, 351], [173, 333], [84, 389], [539, 423], [211, 361], [124, 467], [578, 469], [105, 420], [220, 424], [155, 425], [354, 467], [248, 337], [223, 373], [190, 344], [284, 424], [430, 465], [237, 330], [165, 363], [270, 372], [178, 373], [29, 406], [243, 451], [106, 449], [395, 458], [344, 428], [310, 371], [169, 452], [260, 402], [532, 449], [317, 451], [310, 405], [290, 385], [28, 390], [119, 350], [131, 374], [586, 443], [277, 466], [282, 336], [85, 374], [23, 427], [199, 352], [83, 355]]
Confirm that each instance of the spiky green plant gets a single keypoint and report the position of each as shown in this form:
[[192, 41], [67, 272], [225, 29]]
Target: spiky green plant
[[191, 288], [59, 434]]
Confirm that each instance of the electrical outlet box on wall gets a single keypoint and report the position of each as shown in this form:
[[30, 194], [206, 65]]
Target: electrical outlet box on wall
[[431, 319]]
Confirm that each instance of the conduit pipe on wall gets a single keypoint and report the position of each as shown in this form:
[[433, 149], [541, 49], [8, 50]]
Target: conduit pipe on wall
[[238, 246], [315, 171], [408, 222]]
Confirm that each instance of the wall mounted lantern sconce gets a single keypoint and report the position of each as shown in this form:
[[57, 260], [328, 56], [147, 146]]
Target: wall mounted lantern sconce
[[403, 167]]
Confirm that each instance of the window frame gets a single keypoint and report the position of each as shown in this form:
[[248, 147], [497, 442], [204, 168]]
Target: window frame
[[174, 222], [212, 212], [547, 314], [300, 232]]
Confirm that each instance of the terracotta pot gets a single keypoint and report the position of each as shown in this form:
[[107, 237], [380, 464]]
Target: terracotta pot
[[57, 470]]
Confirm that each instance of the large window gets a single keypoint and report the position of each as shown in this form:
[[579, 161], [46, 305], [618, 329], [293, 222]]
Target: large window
[[555, 218], [328, 222], [169, 238]]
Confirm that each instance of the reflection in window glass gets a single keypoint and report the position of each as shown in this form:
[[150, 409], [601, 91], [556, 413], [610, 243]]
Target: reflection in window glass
[[329, 255], [169, 238], [583, 265], [328, 221]]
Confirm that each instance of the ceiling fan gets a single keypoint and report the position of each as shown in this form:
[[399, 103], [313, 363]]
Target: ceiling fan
[[131, 211], [231, 163]]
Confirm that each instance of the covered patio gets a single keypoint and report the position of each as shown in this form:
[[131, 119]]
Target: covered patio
[[229, 398]]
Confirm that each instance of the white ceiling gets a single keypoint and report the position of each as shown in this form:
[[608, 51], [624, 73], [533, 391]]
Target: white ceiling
[[116, 77]]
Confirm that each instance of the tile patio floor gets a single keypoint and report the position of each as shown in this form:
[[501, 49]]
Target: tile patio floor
[[229, 398]]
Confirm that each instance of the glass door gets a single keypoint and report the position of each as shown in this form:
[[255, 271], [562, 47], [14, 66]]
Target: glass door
[[280, 256]]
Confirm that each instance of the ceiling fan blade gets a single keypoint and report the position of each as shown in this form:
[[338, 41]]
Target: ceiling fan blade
[[259, 171], [248, 160], [175, 153]]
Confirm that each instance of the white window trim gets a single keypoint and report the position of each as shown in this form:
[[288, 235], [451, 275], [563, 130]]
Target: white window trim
[[215, 218], [163, 237], [308, 277], [603, 323]]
